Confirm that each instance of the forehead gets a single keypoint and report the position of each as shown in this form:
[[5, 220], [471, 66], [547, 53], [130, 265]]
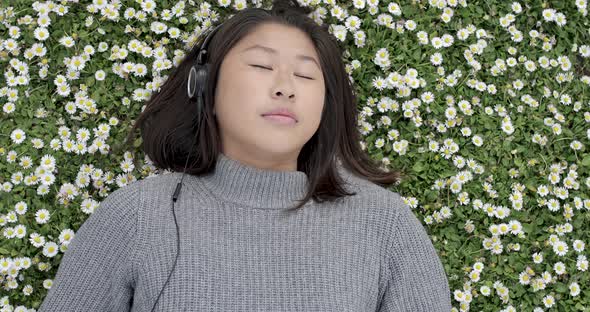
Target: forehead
[[279, 40]]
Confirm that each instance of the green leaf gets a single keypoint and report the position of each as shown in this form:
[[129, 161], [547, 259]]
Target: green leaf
[[418, 166], [137, 142], [561, 288], [89, 81], [528, 227]]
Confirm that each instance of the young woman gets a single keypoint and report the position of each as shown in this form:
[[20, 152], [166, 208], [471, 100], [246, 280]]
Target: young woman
[[280, 208]]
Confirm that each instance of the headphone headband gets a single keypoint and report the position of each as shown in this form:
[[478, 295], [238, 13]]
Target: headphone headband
[[197, 76], [201, 58]]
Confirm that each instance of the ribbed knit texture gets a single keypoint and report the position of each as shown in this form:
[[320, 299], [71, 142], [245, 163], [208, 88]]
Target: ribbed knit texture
[[240, 252]]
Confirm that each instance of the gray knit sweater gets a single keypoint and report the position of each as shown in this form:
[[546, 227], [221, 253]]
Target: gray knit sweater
[[239, 253]]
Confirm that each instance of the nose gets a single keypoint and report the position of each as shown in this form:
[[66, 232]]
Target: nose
[[280, 93], [283, 87]]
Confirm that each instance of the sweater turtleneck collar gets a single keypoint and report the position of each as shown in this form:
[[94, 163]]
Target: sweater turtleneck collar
[[250, 186]]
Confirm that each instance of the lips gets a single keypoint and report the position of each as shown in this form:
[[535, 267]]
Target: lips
[[280, 115], [282, 112], [280, 119]]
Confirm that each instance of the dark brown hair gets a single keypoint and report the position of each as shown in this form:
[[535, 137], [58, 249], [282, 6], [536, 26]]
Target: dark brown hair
[[168, 122]]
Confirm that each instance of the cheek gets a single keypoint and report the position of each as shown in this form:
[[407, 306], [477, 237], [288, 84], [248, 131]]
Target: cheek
[[314, 112], [319, 99], [234, 94], [237, 83]]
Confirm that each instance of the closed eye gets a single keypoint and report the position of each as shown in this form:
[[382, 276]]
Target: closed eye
[[260, 66]]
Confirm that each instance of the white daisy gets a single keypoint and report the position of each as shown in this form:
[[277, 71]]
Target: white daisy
[[18, 136]]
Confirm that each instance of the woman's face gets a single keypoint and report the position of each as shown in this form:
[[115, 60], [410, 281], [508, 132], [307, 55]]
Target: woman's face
[[275, 66]]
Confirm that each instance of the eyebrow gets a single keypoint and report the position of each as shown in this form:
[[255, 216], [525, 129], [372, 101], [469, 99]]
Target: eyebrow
[[273, 51]]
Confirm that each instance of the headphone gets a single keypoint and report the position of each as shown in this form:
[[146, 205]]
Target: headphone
[[196, 84]]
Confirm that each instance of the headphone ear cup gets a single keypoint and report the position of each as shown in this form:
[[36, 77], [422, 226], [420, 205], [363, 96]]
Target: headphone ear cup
[[197, 80], [201, 78], [191, 83], [202, 72]]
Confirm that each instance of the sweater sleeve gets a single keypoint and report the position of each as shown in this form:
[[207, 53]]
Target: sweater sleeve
[[416, 278], [95, 272]]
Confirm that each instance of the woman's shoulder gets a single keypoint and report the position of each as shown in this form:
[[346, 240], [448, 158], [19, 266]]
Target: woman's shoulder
[[398, 221], [150, 187], [384, 202], [158, 183]]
